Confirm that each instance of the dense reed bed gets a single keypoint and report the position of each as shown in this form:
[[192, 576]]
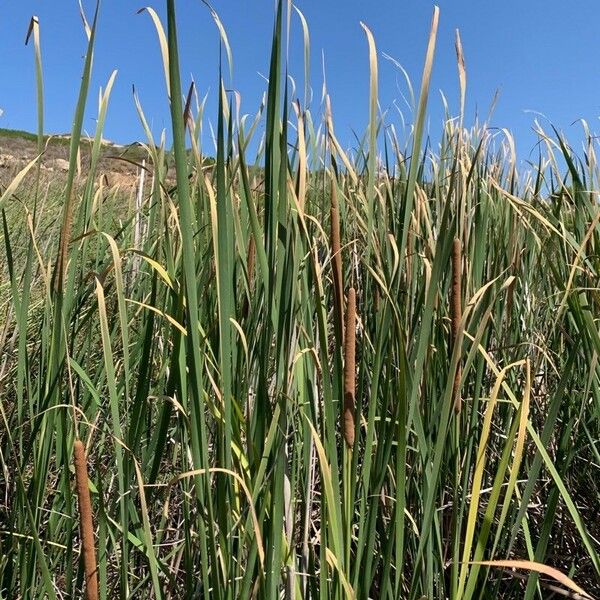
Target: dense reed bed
[[305, 373]]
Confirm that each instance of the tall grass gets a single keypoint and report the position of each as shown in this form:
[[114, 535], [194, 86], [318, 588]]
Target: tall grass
[[308, 373]]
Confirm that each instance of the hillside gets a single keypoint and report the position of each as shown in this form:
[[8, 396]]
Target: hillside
[[117, 163]]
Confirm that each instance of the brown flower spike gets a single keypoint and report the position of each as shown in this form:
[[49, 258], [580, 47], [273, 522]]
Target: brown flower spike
[[85, 521]]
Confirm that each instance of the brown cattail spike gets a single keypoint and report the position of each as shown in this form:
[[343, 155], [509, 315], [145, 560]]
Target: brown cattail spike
[[86, 521], [456, 315], [350, 369], [336, 251]]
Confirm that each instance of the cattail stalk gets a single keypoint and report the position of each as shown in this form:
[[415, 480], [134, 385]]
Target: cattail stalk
[[60, 268], [456, 316], [251, 261], [336, 250], [350, 369], [86, 521]]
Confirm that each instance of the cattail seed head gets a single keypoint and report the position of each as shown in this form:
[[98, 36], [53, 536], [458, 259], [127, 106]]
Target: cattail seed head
[[85, 521], [350, 369]]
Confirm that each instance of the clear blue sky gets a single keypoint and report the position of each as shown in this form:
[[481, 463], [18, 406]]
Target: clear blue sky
[[541, 55]]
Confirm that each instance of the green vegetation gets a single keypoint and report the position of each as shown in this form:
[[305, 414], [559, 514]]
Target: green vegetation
[[248, 434], [18, 134]]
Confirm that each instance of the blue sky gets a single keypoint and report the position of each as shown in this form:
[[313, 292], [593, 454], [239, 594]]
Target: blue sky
[[540, 55]]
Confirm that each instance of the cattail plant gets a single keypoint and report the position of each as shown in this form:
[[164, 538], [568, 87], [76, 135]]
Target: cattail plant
[[138, 226], [85, 521], [336, 252], [456, 316], [350, 368], [250, 265], [251, 261], [258, 404]]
